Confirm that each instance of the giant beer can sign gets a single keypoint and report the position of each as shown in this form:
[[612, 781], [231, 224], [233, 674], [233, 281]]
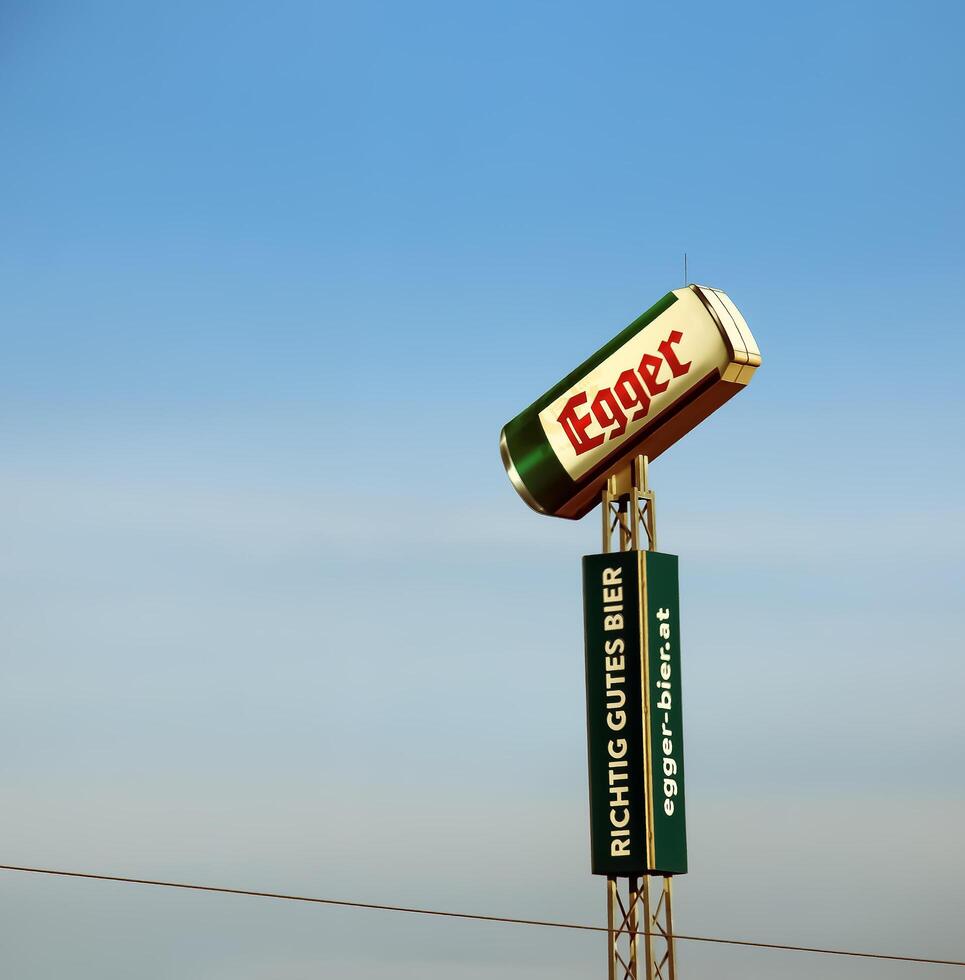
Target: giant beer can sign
[[640, 393]]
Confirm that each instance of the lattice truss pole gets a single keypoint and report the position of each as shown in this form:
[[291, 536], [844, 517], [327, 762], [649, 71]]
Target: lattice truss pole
[[643, 915], [629, 514]]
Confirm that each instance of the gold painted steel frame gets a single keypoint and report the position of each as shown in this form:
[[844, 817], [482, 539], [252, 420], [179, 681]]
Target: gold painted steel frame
[[643, 917], [629, 510], [630, 524]]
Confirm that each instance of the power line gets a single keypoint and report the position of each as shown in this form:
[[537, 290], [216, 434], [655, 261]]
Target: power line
[[464, 915]]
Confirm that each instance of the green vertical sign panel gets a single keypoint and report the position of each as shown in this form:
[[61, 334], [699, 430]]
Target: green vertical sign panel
[[633, 711], [666, 744], [614, 713]]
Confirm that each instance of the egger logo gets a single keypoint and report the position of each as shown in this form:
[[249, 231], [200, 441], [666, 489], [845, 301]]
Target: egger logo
[[630, 393]]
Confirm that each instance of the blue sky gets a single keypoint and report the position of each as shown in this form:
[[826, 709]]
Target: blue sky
[[273, 277]]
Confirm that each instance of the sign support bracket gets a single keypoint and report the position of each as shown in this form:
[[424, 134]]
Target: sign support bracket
[[629, 510], [629, 524]]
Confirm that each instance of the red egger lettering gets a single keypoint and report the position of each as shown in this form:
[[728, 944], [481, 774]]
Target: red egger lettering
[[630, 393]]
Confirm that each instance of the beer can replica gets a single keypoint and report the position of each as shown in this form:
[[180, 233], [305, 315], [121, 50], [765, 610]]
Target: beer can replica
[[637, 395]]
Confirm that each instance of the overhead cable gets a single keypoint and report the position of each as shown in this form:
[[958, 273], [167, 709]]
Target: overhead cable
[[344, 903]]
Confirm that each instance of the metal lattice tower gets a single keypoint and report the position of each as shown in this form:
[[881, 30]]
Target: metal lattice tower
[[645, 911]]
